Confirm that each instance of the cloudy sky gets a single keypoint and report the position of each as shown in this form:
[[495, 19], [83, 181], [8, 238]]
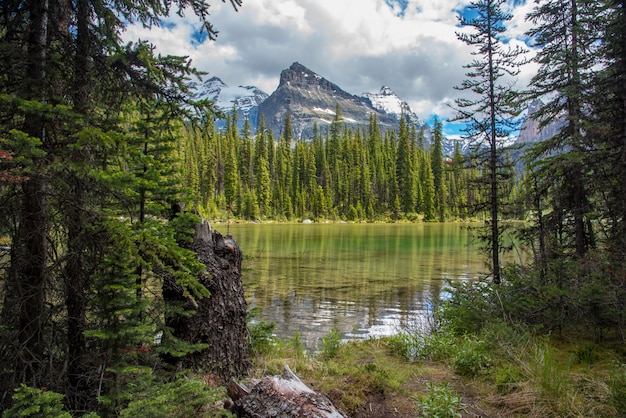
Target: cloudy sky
[[361, 45]]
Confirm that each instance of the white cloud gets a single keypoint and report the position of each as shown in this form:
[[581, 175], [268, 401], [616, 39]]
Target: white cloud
[[358, 44]]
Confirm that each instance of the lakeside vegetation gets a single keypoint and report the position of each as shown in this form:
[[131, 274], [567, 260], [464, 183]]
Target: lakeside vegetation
[[101, 148]]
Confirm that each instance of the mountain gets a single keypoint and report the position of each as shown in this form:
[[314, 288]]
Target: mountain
[[246, 99], [311, 99], [388, 102], [530, 131]]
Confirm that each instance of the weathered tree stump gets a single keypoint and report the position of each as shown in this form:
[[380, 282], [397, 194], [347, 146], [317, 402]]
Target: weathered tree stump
[[219, 320], [280, 396]]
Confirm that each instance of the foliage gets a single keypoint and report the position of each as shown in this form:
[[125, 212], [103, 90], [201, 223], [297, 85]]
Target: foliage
[[508, 379], [261, 333], [31, 402], [183, 397], [354, 174], [441, 402], [617, 385], [492, 110], [331, 343], [471, 358]]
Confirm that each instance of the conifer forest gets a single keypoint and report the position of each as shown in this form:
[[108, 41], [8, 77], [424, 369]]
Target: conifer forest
[[108, 164]]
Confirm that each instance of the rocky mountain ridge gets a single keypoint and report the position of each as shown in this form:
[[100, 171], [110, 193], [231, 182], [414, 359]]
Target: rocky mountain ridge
[[309, 99], [246, 99]]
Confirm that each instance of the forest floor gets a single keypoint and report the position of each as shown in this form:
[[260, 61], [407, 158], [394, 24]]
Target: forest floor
[[369, 379]]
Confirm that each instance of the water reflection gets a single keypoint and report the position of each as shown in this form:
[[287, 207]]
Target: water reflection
[[362, 280]]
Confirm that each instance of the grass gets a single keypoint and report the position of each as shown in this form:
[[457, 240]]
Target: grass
[[415, 375]]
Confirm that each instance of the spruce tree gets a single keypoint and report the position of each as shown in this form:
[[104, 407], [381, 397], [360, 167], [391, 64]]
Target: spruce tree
[[262, 170], [405, 169], [66, 76], [491, 115], [608, 125], [566, 33], [438, 171]]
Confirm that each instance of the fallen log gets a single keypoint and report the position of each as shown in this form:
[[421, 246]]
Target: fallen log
[[280, 396]]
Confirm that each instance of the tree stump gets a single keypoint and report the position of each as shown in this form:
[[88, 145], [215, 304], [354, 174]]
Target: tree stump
[[280, 396], [220, 319]]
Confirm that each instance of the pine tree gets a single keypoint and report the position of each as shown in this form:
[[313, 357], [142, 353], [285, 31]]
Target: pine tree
[[65, 78], [490, 116], [262, 170], [405, 169], [438, 171], [284, 171], [608, 125], [566, 33]]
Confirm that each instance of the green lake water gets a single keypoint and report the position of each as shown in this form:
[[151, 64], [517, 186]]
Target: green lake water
[[363, 280]]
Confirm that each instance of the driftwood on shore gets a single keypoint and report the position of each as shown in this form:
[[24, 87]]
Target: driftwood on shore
[[280, 396]]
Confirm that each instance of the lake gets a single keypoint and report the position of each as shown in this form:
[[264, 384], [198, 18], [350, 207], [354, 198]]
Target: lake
[[363, 280]]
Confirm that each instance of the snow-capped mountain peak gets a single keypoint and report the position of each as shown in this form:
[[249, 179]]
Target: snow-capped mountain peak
[[388, 101], [243, 98]]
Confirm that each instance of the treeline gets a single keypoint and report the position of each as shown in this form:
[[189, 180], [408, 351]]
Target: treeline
[[341, 172]]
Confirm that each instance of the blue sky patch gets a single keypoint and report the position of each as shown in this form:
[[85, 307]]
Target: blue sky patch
[[199, 36], [167, 24], [394, 3]]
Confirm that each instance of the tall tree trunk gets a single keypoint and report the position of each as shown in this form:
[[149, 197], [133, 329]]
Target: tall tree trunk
[[76, 274], [24, 309], [493, 158]]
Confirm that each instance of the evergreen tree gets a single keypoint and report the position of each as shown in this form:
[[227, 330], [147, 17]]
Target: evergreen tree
[[458, 196], [566, 32], [609, 125], [428, 183], [438, 171], [491, 116], [262, 170], [405, 169], [65, 78], [232, 184], [284, 171]]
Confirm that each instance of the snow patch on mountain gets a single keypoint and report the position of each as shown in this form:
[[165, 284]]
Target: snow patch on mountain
[[388, 101], [328, 111], [225, 97]]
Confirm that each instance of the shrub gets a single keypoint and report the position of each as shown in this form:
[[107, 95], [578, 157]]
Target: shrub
[[471, 358], [441, 402], [331, 344], [262, 336], [404, 345], [31, 402], [184, 397], [439, 345]]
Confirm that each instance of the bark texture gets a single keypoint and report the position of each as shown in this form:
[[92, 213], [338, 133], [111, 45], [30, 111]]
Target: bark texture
[[219, 320], [280, 396]]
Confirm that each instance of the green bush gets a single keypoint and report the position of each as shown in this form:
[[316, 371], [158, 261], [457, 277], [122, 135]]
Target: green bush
[[184, 397], [441, 402], [262, 336], [331, 344], [404, 345], [438, 345], [36, 403], [471, 358]]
